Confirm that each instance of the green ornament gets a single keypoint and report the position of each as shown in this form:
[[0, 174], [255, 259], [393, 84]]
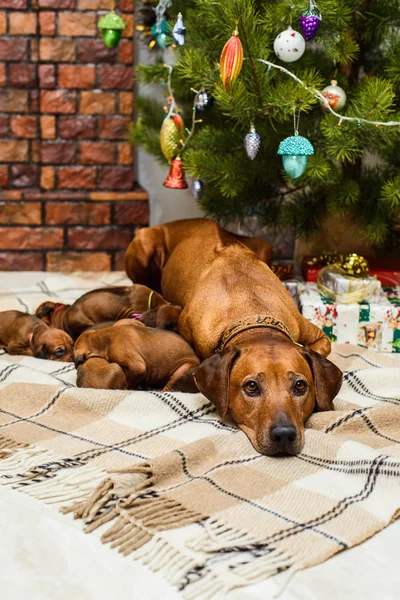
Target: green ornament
[[161, 32], [111, 26], [295, 151]]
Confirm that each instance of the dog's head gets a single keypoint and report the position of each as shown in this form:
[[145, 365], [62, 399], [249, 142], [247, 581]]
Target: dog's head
[[46, 309], [52, 344], [270, 391], [162, 317]]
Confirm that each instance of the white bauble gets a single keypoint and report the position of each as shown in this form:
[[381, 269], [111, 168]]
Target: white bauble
[[289, 45], [335, 95]]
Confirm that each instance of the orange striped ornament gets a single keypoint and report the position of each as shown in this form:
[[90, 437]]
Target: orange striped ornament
[[231, 60]]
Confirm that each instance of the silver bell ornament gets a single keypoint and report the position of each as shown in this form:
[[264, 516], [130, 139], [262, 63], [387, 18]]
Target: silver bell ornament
[[252, 142], [289, 45], [179, 31], [335, 95], [295, 151], [198, 189]]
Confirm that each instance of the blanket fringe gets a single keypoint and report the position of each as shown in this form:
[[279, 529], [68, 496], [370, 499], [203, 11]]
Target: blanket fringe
[[9, 446]]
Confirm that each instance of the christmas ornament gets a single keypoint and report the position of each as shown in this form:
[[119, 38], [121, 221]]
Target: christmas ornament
[[111, 26], [353, 264], [231, 60], [176, 176], [172, 130], [161, 33], [310, 21], [252, 143], [335, 96], [289, 45], [204, 101], [179, 31], [295, 151], [198, 189]]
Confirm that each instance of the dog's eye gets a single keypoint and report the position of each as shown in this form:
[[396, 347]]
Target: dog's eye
[[59, 352], [251, 388], [300, 387]]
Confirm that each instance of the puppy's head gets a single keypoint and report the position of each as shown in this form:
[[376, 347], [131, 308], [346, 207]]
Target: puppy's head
[[45, 311], [162, 317], [52, 344], [270, 391]]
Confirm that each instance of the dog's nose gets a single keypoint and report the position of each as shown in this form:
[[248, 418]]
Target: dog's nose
[[283, 436]]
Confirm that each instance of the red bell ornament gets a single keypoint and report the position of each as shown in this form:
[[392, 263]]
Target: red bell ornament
[[176, 176]]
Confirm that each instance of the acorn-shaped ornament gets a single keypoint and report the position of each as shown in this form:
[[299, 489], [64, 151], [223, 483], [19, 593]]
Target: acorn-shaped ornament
[[295, 151], [111, 26], [335, 96], [252, 143]]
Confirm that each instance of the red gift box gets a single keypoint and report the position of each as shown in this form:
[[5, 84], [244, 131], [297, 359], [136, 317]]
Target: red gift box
[[387, 270]]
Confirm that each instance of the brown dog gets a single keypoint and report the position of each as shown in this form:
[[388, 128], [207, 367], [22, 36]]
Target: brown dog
[[97, 306], [132, 356], [27, 335], [263, 360]]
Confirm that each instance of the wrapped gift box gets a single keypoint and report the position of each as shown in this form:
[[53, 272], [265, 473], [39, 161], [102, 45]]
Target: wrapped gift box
[[373, 324], [387, 270]]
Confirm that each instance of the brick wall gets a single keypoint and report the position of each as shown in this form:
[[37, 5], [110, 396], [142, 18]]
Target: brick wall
[[68, 199]]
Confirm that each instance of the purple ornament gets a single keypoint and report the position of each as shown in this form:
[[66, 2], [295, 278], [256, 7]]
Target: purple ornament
[[309, 23]]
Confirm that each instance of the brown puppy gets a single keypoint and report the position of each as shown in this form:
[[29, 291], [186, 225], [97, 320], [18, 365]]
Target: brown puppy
[[162, 317], [27, 335], [147, 357], [234, 305], [97, 306]]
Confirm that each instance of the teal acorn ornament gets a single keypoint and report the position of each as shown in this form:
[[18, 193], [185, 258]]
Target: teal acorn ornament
[[295, 151], [161, 33], [111, 26]]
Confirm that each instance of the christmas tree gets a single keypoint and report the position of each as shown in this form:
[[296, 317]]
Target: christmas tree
[[355, 168]]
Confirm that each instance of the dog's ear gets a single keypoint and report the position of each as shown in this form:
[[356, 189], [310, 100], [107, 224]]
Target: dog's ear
[[45, 311], [42, 352], [327, 379], [212, 377]]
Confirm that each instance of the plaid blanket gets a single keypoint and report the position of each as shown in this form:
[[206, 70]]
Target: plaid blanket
[[162, 478]]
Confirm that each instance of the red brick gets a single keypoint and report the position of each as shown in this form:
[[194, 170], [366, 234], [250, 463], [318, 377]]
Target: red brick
[[77, 178], [57, 50], [115, 77], [47, 22], [116, 178], [10, 195], [23, 75], [56, 195], [57, 101], [77, 24], [3, 22], [75, 261], [47, 76], [138, 194], [3, 176], [126, 5], [21, 213], [15, 4], [105, 238], [129, 22], [77, 128], [125, 52], [125, 153], [3, 75], [34, 101], [13, 101], [114, 128], [35, 151], [22, 23], [126, 103], [14, 49], [38, 238], [21, 261], [132, 213], [4, 125], [71, 76], [57, 4], [47, 178], [119, 261], [97, 153], [97, 103], [34, 49], [48, 127], [58, 153], [13, 151], [93, 4], [77, 213], [24, 127], [23, 176], [94, 51]]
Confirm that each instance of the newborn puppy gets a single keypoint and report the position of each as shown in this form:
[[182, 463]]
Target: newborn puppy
[[25, 334], [162, 317], [148, 358], [99, 306]]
